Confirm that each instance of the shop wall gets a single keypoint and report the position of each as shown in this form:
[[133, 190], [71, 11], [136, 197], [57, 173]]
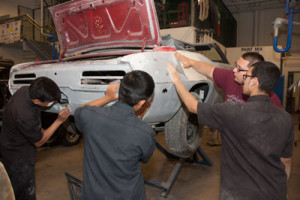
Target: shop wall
[[255, 29], [11, 7]]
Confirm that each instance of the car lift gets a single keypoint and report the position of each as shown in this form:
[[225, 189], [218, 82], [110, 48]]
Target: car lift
[[166, 186], [75, 184]]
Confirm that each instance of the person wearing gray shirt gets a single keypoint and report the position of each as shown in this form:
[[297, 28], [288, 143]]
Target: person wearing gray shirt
[[257, 137], [116, 140]]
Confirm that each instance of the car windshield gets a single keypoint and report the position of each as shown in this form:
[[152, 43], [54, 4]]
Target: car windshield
[[210, 50]]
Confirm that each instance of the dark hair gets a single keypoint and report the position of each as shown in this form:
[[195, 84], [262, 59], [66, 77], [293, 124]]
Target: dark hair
[[253, 57], [44, 89], [136, 86], [267, 74]]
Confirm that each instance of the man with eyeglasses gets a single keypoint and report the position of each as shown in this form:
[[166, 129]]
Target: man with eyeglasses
[[230, 81], [21, 132], [257, 137]]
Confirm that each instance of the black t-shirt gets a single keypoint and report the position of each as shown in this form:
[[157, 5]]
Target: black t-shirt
[[255, 136], [115, 141], [21, 128]]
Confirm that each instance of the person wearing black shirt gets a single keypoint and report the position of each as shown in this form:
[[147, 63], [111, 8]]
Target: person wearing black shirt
[[21, 132], [257, 137], [116, 140]]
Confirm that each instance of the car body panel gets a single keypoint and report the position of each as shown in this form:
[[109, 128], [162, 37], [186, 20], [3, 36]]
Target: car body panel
[[78, 80], [85, 25]]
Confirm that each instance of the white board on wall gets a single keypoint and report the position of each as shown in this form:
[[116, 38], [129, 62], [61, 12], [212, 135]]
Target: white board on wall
[[10, 32], [234, 53]]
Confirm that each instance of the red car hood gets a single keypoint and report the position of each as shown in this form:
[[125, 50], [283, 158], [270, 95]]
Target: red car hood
[[85, 25]]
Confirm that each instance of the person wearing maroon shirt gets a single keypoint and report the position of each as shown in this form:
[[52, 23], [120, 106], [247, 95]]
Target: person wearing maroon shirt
[[230, 81]]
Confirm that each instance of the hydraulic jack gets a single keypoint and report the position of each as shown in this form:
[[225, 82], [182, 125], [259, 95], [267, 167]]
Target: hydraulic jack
[[166, 186]]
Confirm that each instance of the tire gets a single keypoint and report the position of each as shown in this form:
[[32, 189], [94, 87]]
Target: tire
[[66, 134], [70, 136], [182, 132]]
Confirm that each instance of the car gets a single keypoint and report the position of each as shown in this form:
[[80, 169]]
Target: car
[[101, 42], [5, 66]]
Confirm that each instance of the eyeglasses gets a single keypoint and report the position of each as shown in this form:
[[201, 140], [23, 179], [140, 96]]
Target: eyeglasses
[[240, 69], [246, 75]]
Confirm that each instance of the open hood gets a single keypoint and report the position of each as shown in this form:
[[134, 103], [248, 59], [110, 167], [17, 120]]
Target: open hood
[[85, 25]]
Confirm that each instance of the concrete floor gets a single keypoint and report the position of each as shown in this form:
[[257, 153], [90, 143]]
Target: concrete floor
[[194, 182]]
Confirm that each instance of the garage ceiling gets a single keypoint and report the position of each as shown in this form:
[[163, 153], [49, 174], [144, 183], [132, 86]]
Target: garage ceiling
[[236, 6]]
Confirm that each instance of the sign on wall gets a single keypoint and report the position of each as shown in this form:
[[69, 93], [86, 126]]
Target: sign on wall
[[233, 54], [10, 32]]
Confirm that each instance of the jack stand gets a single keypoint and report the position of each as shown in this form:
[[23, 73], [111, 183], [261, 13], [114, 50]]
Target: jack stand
[[166, 186]]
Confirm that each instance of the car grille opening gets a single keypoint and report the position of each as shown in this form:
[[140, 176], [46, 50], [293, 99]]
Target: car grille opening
[[24, 78], [101, 77]]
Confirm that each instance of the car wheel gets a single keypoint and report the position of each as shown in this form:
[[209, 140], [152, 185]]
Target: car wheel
[[182, 132], [53, 140], [69, 136]]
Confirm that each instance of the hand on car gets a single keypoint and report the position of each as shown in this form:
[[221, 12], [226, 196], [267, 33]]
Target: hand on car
[[173, 73], [112, 90], [64, 114], [185, 60]]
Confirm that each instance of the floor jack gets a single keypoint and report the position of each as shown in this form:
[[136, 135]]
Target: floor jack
[[166, 186]]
